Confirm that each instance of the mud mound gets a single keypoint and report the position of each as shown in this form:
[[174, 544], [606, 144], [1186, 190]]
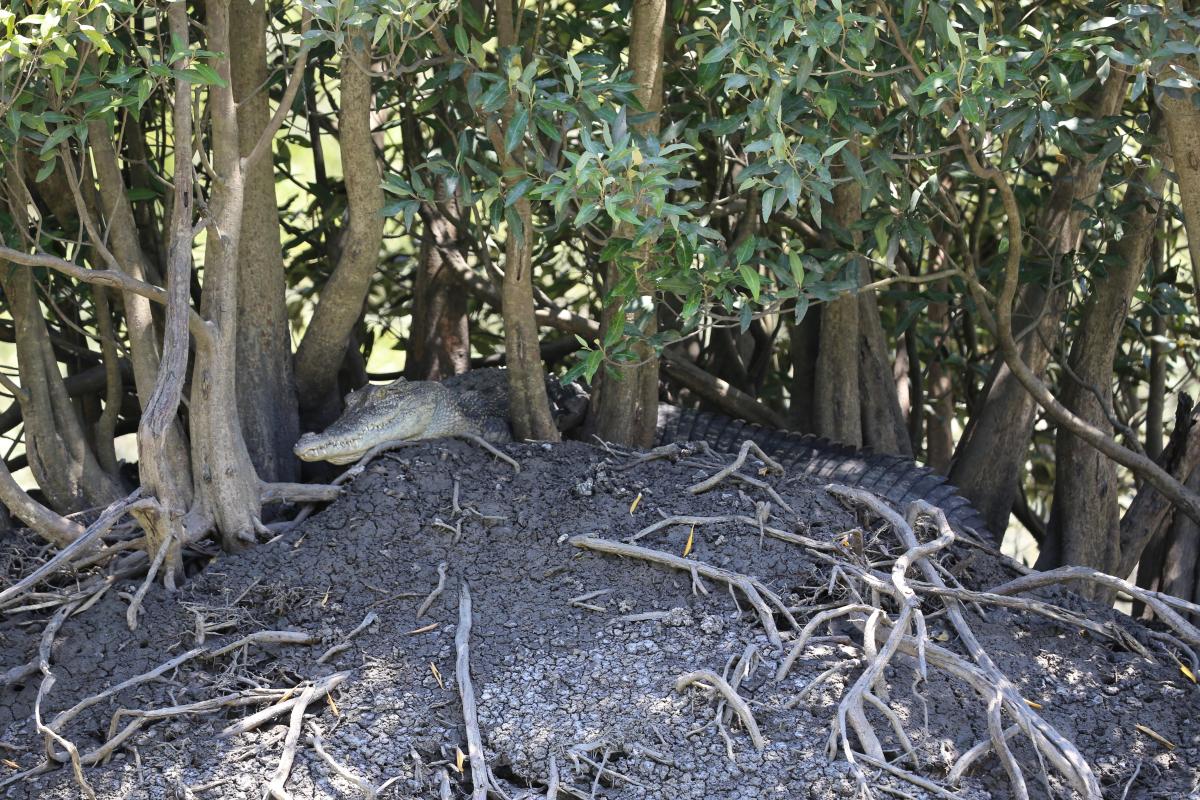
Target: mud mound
[[575, 655]]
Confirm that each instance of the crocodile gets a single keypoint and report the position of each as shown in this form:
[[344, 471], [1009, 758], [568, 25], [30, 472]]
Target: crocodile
[[476, 403]]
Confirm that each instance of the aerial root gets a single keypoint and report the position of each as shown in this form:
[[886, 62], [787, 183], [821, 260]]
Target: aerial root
[[275, 787], [884, 637]]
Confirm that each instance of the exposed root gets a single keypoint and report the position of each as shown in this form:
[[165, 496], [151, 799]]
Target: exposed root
[[748, 446], [367, 622], [1186, 631], [266, 637], [730, 696], [441, 584], [466, 692], [754, 590], [997, 691], [494, 451], [317, 743], [275, 788], [319, 689]]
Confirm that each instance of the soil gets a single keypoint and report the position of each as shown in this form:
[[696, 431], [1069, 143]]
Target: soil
[[589, 683]]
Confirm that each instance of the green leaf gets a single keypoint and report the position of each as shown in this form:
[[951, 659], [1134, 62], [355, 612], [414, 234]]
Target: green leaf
[[751, 279], [516, 129]]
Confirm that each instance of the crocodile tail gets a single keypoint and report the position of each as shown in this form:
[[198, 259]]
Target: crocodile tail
[[896, 478]]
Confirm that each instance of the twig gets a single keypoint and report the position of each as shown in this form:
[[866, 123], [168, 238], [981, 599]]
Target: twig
[[101, 526], [135, 605], [462, 673], [267, 637], [486, 445], [317, 742]]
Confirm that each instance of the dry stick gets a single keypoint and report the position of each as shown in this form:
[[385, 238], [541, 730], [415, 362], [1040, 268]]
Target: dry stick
[[1066, 757], [368, 621], [320, 689], [101, 526], [317, 742], [275, 786], [747, 446], [811, 627], [731, 697], [462, 674], [1186, 631], [752, 588], [437, 591], [266, 637]]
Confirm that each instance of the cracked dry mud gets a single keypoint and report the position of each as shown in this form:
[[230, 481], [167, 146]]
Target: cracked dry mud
[[590, 683]]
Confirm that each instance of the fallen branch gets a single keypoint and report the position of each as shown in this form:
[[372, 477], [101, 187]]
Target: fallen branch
[[367, 622]]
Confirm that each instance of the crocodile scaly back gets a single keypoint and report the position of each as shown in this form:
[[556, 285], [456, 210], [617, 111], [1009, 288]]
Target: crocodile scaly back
[[896, 478]]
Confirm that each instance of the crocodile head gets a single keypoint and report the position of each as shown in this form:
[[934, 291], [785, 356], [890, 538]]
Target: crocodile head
[[374, 414]]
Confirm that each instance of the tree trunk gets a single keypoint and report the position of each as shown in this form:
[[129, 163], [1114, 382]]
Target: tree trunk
[[803, 341], [991, 455], [439, 339], [266, 388], [1085, 520], [226, 483], [625, 403], [125, 243], [529, 407], [341, 302]]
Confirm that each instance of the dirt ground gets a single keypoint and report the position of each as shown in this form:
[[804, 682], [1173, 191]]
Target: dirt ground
[[574, 654]]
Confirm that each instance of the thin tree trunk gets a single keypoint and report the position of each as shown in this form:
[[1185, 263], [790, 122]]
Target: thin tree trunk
[[439, 339], [266, 387], [1085, 520], [625, 404], [803, 340], [990, 458], [225, 480], [529, 407], [341, 302]]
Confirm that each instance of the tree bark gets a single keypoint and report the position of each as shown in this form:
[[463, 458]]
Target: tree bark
[[990, 457], [529, 407], [266, 387], [341, 302], [1085, 520], [225, 481], [439, 340], [625, 401]]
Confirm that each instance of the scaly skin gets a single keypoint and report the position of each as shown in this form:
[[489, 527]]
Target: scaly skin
[[476, 403]]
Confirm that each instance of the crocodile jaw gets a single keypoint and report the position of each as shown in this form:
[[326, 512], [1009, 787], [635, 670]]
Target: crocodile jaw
[[374, 415]]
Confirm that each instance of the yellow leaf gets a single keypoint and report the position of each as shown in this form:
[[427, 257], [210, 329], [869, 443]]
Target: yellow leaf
[[8, 762], [426, 629], [1036, 706], [633, 506], [459, 758], [333, 706], [1187, 673], [437, 676], [325, 599], [687, 548], [1156, 737]]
